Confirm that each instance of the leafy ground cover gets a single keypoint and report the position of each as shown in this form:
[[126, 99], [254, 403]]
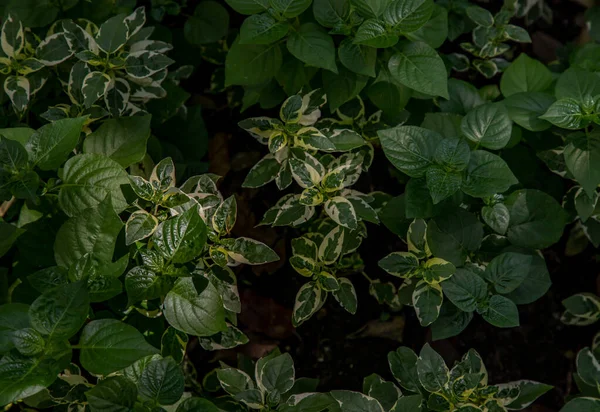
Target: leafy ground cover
[[328, 205]]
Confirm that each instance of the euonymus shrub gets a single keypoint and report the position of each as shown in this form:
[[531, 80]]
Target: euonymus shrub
[[427, 385]]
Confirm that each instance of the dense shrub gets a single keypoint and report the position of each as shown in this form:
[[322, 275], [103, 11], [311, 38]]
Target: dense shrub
[[119, 254]]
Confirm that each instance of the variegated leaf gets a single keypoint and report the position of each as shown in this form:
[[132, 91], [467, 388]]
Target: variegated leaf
[[117, 97], [427, 301], [331, 248], [78, 38], [12, 38], [18, 90], [54, 50], [30, 65], [146, 63], [94, 86], [342, 212], [309, 300], [139, 226], [113, 34], [136, 20], [346, 295]]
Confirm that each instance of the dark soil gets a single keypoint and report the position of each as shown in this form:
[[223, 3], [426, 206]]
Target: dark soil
[[326, 347]]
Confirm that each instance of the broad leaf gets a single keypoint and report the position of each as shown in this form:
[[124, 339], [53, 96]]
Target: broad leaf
[[108, 345]]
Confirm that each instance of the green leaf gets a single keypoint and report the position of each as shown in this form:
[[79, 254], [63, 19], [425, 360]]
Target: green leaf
[[463, 98], [208, 24], [427, 301], [13, 317], [373, 33], [349, 401], [442, 183], [453, 154], [409, 148], [108, 345], [346, 295], [487, 174], [357, 58], [403, 364], [536, 283], [262, 29], [432, 370], [488, 125], [480, 16], [451, 322], [248, 6], [9, 233], [399, 264], [143, 64], [162, 382], [28, 341], [501, 312], [13, 156], [465, 289], [435, 31], [60, 312], [313, 46], [419, 67], [182, 238], [277, 374], [525, 75], [93, 232], [308, 300], [408, 16], [496, 217], [142, 284], [525, 109], [262, 172], [370, 8], [536, 219], [116, 393], [566, 113], [577, 84], [197, 404], [122, 139], [508, 270], [290, 8], [331, 13], [342, 87], [23, 376], [51, 144], [87, 180], [265, 60], [113, 34], [582, 405], [195, 313], [454, 235], [582, 157]]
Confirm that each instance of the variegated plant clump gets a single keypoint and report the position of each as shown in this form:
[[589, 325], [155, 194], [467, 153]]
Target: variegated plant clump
[[301, 150], [111, 70], [427, 383], [188, 253]]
